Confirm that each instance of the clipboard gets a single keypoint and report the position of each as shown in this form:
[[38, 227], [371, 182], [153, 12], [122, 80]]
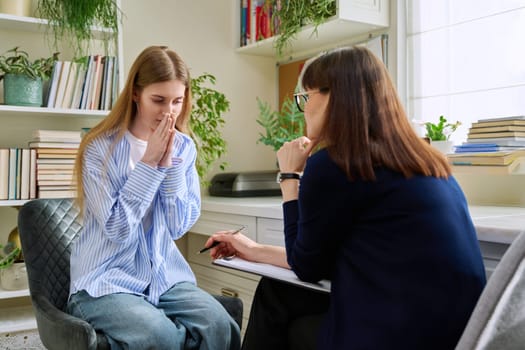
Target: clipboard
[[271, 271]]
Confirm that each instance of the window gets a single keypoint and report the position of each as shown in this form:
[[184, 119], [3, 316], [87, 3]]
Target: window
[[466, 60]]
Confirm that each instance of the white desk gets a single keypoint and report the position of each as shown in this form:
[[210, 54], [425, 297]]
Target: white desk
[[493, 224], [498, 224]]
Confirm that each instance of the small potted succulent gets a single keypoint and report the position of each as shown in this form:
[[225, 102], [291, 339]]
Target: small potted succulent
[[24, 78]]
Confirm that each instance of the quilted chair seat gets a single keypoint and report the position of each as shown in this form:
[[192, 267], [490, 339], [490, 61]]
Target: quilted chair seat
[[47, 228]]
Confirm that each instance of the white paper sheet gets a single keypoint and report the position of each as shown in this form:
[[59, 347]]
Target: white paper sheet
[[271, 271]]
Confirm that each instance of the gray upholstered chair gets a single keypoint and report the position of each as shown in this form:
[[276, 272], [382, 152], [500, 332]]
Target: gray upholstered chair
[[498, 320], [47, 227]]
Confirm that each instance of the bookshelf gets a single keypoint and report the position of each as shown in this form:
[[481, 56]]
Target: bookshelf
[[17, 125], [6, 111], [354, 21]]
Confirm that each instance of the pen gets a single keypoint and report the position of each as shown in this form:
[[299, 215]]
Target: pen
[[216, 243]]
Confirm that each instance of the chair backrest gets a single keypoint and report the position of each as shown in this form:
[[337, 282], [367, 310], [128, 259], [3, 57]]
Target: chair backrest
[[498, 320], [47, 227]]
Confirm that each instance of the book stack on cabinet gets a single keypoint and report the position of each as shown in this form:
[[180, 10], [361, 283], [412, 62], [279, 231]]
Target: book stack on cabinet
[[56, 151], [494, 146], [503, 132], [490, 166], [493, 163]]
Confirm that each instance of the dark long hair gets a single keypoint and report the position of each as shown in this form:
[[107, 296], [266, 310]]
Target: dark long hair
[[366, 125]]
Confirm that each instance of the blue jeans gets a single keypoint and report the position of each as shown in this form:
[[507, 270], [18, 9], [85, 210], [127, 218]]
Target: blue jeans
[[185, 318]]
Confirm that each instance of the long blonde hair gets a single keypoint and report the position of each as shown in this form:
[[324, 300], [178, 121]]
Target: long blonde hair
[[154, 64]]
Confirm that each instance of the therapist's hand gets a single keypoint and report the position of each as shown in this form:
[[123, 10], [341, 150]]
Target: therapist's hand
[[293, 154], [237, 244]]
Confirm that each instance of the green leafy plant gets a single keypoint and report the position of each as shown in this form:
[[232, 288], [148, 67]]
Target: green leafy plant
[[442, 130], [16, 61], [9, 254], [280, 126], [208, 108], [294, 14], [73, 20]]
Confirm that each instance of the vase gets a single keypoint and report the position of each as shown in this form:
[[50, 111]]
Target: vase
[[14, 277], [444, 147], [21, 90]]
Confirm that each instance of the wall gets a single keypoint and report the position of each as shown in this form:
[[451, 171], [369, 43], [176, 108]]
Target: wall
[[205, 34]]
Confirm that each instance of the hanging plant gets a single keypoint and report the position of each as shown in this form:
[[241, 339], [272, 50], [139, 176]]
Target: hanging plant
[[72, 21], [205, 122], [292, 15]]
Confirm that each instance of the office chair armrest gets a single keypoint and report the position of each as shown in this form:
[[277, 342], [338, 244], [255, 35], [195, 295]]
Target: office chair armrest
[[59, 330]]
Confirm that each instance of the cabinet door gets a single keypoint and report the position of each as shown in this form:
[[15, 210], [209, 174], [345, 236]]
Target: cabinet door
[[270, 231]]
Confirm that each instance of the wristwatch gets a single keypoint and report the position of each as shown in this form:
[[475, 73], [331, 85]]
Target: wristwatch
[[285, 176]]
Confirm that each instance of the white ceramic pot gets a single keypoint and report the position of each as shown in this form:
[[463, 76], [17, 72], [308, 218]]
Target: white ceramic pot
[[444, 147], [14, 277]]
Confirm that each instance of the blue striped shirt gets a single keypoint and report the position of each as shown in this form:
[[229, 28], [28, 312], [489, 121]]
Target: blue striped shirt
[[113, 254]]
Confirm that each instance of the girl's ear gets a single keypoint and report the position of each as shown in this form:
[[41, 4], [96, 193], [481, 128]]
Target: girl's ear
[[135, 96]]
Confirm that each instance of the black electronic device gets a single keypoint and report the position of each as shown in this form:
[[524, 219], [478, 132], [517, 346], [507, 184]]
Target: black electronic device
[[245, 184]]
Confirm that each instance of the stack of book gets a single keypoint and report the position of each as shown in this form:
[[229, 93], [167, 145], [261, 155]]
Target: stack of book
[[489, 163], [56, 151], [505, 133]]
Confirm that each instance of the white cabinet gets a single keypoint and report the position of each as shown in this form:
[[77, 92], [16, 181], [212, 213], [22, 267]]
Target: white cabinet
[[353, 19], [18, 124]]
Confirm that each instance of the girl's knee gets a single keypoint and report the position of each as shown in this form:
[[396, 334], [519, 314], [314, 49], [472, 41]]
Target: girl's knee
[[161, 333]]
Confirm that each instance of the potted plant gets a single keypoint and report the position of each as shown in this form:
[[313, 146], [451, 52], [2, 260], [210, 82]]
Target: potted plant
[[439, 134], [292, 15], [208, 107], [23, 78], [280, 126], [74, 20]]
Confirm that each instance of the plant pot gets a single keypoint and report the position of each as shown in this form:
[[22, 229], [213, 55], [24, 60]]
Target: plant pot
[[20, 90], [444, 147], [14, 277], [16, 7]]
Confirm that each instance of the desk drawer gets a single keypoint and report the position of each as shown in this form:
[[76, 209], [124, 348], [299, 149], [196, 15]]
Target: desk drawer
[[209, 223]]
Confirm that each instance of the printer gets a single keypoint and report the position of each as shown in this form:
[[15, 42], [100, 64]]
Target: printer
[[245, 184]]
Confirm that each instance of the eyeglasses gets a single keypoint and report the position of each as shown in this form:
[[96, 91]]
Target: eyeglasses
[[302, 97]]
